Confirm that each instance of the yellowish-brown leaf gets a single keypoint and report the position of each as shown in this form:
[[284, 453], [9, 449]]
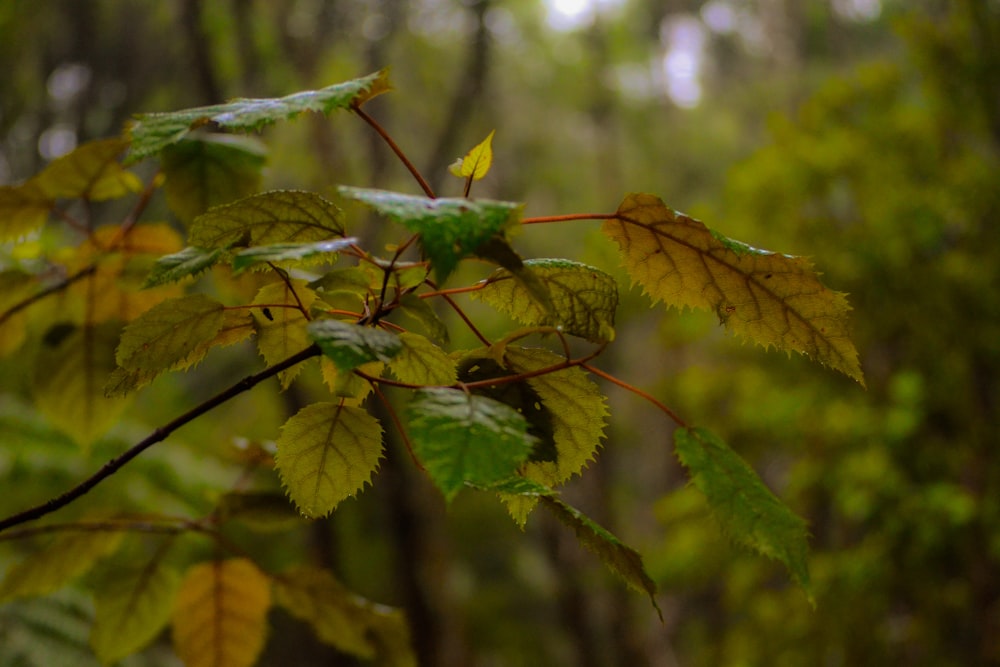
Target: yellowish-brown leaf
[[220, 614], [770, 298]]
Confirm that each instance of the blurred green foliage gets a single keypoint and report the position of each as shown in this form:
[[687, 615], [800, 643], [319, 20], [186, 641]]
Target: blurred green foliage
[[871, 146]]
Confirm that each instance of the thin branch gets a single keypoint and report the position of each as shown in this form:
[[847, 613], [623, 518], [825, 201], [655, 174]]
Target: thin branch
[[542, 219], [374, 382], [291, 288], [424, 185], [53, 289], [160, 434], [638, 392]]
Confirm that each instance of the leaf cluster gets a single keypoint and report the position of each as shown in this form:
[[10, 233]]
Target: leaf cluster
[[515, 418]]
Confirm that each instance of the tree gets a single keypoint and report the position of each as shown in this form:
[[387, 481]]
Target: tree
[[503, 418]]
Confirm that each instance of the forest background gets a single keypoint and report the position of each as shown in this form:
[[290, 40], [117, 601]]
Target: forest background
[[861, 133]]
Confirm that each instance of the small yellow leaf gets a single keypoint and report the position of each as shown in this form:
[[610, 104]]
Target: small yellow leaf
[[220, 615], [476, 162]]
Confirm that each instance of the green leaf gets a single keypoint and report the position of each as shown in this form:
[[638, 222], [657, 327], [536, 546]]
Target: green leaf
[[619, 558], [91, 171], [422, 362], [281, 326], [208, 170], [65, 558], [327, 452], [464, 438], [278, 216], [519, 395], [131, 607], [23, 209], [350, 280], [291, 252], [747, 510], [344, 619], [179, 265], [418, 310], [169, 332], [583, 299], [68, 384], [476, 163], [770, 298], [152, 132], [351, 345], [220, 614], [450, 229]]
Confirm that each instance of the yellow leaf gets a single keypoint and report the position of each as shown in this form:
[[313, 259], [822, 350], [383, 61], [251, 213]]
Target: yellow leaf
[[422, 362], [92, 171], [327, 452], [476, 162], [65, 558], [114, 290], [578, 411], [220, 615], [770, 298], [281, 326], [23, 208]]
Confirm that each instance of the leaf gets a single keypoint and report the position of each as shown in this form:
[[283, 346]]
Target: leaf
[[476, 163], [350, 280], [450, 229], [619, 558], [421, 312], [69, 378], [464, 438], [65, 558], [518, 394], [236, 326], [347, 385], [278, 216], [113, 291], [282, 331], [327, 452], [131, 607], [169, 332], [578, 411], [769, 298], [291, 252], [15, 286], [351, 345], [179, 265], [152, 132], [23, 209], [210, 169], [583, 299], [91, 171], [344, 619], [220, 615], [747, 510], [422, 362]]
